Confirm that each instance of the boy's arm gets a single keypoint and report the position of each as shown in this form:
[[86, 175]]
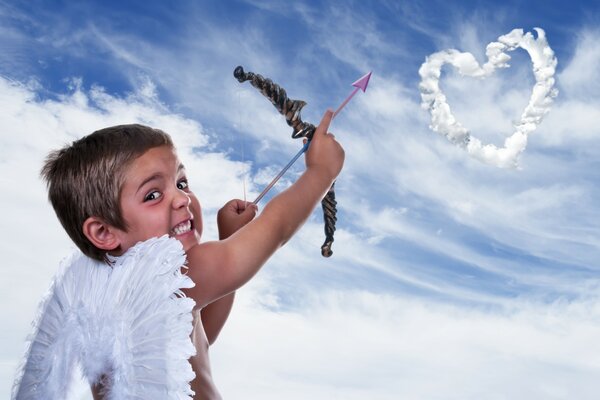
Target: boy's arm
[[215, 315], [219, 268], [230, 218]]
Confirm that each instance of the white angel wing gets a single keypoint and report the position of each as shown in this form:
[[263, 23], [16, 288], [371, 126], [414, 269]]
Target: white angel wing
[[128, 324]]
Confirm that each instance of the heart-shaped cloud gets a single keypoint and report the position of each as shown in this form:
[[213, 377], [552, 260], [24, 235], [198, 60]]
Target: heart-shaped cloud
[[442, 120]]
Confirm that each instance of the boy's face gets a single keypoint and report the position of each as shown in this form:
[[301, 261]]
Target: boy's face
[[156, 200]]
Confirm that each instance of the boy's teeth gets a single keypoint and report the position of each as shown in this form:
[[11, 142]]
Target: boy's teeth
[[182, 228]]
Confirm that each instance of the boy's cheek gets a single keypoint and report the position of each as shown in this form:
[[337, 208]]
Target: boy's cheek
[[198, 225]]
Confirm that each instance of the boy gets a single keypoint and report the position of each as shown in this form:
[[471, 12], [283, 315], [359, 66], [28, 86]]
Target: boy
[[113, 197]]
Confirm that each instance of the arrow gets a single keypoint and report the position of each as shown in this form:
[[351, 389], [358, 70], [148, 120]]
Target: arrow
[[280, 174], [362, 84], [359, 84]]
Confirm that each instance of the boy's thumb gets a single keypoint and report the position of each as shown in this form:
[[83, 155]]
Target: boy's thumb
[[250, 211]]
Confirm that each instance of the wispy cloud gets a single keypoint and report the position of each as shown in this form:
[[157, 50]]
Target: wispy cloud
[[580, 78], [30, 129], [449, 276], [356, 345]]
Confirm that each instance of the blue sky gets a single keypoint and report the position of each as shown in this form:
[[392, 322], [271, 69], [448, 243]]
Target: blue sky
[[450, 278]]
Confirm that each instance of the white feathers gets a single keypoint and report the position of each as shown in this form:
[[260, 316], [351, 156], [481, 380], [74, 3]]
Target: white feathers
[[129, 321]]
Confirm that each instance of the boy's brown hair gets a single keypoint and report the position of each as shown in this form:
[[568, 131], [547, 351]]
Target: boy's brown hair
[[85, 178]]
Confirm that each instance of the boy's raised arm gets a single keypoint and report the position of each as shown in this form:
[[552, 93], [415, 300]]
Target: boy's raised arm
[[219, 268]]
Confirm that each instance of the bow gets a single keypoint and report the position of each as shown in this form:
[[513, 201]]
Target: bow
[[291, 109]]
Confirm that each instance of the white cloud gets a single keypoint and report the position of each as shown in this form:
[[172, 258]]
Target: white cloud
[[581, 77], [404, 192], [444, 122], [572, 126], [393, 161], [355, 345], [335, 28], [35, 242]]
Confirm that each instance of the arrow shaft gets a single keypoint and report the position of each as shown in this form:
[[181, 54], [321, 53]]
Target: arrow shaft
[[302, 150], [345, 102], [281, 173]]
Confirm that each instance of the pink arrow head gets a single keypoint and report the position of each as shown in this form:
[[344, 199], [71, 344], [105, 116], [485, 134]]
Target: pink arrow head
[[363, 82], [359, 84]]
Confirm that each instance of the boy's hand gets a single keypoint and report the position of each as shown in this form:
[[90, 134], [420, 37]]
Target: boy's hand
[[324, 151], [233, 215], [226, 265]]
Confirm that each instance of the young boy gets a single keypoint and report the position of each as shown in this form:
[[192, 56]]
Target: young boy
[[116, 190]]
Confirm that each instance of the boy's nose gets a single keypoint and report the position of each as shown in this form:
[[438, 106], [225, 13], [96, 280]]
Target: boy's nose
[[181, 199]]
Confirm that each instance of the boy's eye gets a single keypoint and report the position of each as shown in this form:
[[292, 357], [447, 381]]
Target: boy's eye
[[152, 195], [182, 184]]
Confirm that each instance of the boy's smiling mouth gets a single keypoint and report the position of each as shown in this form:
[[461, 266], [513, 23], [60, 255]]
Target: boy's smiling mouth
[[181, 228]]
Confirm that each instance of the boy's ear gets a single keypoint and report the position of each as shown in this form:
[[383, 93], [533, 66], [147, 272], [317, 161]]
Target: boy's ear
[[101, 234]]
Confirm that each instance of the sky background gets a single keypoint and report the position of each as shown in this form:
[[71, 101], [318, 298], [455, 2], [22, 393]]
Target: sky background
[[450, 279]]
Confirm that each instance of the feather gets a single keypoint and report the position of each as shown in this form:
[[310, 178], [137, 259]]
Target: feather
[[127, 323]]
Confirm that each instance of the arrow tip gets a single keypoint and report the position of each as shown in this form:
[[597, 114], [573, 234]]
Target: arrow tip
[[363, 82]]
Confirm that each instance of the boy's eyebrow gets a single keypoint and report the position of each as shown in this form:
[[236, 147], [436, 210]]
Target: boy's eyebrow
[[156, 176], [148, 179]]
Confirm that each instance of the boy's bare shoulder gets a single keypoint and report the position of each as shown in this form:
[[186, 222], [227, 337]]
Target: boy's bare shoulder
[[221, 267], [203, 256], [206, 262]]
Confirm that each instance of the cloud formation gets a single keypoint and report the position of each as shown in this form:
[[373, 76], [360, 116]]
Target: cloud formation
[[357, 345], [444, 122], [451, 279], [30, 127]]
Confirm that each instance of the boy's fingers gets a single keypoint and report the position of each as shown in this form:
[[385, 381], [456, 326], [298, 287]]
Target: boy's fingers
[[242, 204], [236, 205], [324, 124], [246, 207], [249, 213], [251, 208]]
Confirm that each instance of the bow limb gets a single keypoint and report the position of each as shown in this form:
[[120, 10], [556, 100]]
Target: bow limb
[[291, 110]]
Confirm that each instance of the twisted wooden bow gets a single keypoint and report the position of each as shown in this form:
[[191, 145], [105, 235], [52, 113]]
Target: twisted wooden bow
[[290, 109]]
